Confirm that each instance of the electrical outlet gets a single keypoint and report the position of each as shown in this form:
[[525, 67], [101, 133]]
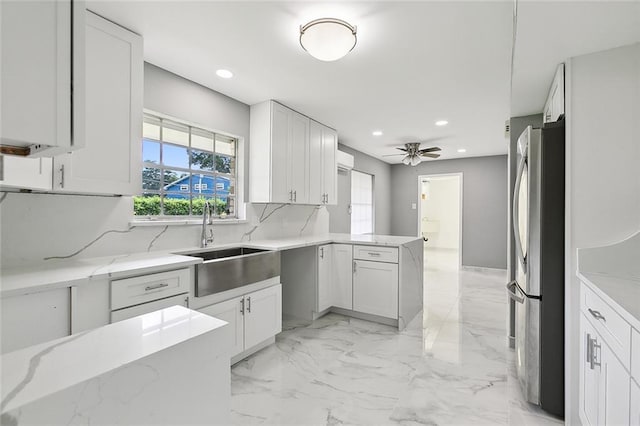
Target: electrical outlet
[[414, 206]]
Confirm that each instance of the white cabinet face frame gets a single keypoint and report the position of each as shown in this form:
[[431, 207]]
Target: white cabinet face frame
[[325, 277], [111, 158], [375, 288], [262, 315], [342, 276], [39, 77]]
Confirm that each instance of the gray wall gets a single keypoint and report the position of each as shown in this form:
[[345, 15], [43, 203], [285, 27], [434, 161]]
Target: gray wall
[[173, 95], [484, 212], [340, 220]]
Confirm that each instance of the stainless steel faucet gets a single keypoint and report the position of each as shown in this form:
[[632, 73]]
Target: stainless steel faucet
[[207, 237]]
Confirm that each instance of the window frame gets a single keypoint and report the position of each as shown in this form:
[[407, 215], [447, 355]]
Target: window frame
[[373, 201], [239, 208]]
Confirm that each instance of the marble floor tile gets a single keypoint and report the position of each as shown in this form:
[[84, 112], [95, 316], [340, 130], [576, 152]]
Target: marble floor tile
[[451, 365]]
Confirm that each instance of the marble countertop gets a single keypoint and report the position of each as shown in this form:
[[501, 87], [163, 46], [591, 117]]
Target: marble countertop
[[68, 272], [613, 272], [60, 273], [34, 372], [622, 293]]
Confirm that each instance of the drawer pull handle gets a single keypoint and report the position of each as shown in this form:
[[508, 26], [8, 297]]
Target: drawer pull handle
[[372, 253], [597, 315], [249, 304], [156, 286]]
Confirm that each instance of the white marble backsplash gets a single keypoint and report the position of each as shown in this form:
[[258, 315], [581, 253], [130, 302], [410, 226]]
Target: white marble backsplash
[[36, 227]]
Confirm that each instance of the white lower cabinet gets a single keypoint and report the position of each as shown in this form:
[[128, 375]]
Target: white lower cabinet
[[375, 288], [606, 395], [253, 318], [325, 280], [615, 381], [34, 318], [634, 412], [342, 276]]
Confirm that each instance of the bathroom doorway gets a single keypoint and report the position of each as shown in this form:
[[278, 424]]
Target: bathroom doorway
[[440, 216]]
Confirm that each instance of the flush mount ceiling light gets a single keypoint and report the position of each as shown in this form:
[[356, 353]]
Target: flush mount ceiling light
[[462, 150], [377, 133], [224, 73], [442, 123], [328, 39]]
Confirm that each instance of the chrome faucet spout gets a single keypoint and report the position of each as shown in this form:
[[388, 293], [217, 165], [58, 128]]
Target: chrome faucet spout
[[207, 219]]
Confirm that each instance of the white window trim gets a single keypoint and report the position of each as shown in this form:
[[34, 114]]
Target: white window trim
[[241, 206]]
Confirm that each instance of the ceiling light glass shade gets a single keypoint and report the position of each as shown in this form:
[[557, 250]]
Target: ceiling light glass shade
[[406, 160], [415, 160], [328, 39]]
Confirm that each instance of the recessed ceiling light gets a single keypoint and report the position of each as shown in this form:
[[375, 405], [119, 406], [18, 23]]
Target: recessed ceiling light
[[462, 150], [224, 73], [442, 123], [377, 133]]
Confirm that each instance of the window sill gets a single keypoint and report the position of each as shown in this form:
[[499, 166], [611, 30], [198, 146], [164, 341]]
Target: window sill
[[174, 222]]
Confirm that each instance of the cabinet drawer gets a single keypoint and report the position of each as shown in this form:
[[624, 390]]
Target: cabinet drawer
[[133, 291], [611, 326], [376, 253], [134, 311], [635, 355]]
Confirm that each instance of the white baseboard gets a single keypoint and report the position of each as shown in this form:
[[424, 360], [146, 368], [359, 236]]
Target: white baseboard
[[481, 269]]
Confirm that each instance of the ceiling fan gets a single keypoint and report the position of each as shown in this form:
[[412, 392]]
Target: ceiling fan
[[413, 154]]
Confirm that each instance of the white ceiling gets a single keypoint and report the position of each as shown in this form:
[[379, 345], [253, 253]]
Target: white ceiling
[[550, 32], [414, 63]]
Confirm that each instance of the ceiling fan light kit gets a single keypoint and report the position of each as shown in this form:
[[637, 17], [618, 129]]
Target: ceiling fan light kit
[[328, 39], [413, 154]]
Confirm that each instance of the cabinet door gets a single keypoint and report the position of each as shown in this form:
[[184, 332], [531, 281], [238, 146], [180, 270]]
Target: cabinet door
[[342, 277], [27, 173], [110, 162], [231, 311], [325, 264], [616, 382], [375, 288], [589, 395], [330, 165], [36, 49], [263, 315], [634, 404], [280, 136], [34, 318], [316, 153], [299, 158]]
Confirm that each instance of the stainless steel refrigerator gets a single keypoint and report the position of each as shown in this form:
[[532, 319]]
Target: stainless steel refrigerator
[[538, 290]]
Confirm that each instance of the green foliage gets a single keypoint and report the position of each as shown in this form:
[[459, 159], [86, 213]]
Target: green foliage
[[206, 161], [150, 206], [146, 206]]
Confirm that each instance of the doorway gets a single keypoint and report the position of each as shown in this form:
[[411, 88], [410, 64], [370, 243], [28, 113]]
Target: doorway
[[440, 216]]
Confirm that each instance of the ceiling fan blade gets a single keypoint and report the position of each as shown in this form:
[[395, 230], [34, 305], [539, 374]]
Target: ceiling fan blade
[[432, 149], [392, 155], [430, 155]]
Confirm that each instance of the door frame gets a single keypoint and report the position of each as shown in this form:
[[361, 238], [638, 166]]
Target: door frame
[[460, 176]]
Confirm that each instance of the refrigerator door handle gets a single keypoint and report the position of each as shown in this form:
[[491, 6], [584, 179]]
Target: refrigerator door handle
[[516, 214], [511, 290]]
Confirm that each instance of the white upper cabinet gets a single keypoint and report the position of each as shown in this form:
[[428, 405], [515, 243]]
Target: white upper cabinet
[[323, 146], [292, 158], [279, 155], [25, 173], [554, 106], [110, 161], [42, 79]]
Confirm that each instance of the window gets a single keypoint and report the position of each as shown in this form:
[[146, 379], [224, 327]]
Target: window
[[182, 167], [361, 203]]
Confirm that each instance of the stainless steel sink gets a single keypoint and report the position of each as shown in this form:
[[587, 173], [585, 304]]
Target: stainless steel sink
[[229, 268]]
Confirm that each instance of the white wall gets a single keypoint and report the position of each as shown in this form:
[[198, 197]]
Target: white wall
[[440, 203], [37, 226], [602, 177]]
